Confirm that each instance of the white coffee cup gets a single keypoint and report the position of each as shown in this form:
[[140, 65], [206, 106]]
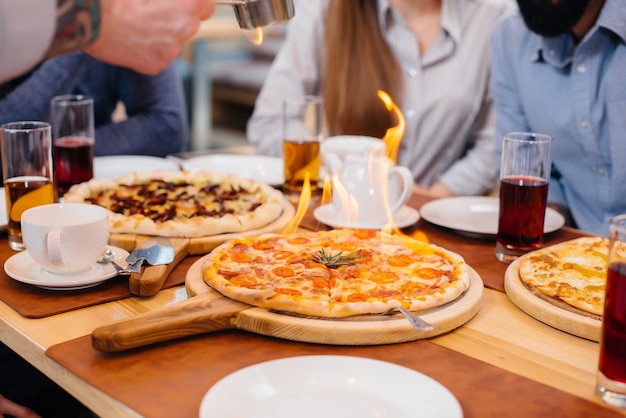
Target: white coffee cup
[[65, 238], [335, 149], [361, 189]]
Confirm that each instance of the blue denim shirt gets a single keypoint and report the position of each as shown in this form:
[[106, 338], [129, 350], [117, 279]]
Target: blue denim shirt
[[577, 94]]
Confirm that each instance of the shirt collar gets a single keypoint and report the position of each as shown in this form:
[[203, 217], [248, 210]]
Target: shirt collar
[[451, 16], [558, 50]]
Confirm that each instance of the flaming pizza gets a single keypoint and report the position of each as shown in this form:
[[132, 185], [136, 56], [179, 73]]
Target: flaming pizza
[[181, 204], [336, 273]]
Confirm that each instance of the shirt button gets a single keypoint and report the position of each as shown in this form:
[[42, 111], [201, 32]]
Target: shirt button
[[601, 171], [410, 113], [584, 124], [412, 73], [581, 68]]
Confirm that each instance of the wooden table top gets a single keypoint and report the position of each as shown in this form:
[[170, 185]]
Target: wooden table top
[[500, 334]]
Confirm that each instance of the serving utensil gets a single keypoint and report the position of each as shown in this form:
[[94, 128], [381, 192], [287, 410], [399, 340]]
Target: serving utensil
[[108, 258], [416, 321], [162, 254]]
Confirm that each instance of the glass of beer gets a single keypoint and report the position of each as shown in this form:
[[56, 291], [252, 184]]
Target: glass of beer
[[524, 176], [302, 134], [27, 169], [611, 379], [73, 133]]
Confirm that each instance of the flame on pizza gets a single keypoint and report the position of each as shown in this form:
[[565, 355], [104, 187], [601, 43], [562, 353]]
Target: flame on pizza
[[394, 135]]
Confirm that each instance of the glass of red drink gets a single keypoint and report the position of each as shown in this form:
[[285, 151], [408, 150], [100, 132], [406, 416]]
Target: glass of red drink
[[524, 176], [73, 132], [611, 380]]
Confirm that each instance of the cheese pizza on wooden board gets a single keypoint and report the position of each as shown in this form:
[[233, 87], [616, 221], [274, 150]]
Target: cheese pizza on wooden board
[[563, 284], [182, 204]]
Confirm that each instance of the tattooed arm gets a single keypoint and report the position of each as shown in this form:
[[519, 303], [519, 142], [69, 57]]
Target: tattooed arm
[[144, 35]]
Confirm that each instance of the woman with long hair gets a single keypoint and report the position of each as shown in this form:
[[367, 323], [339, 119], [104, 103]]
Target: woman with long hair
[[430, 56]]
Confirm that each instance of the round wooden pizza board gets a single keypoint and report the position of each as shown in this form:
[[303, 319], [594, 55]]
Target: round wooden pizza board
[[547, 310], [207, 311], [361, 330]]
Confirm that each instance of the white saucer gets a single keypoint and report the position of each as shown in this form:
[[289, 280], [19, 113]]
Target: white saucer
[[330, 387], [22, 268], [326, 214]]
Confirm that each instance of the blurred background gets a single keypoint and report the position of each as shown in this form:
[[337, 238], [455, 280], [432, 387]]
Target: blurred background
[[223, 71]]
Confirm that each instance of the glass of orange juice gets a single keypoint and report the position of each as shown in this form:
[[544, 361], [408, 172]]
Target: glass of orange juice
[[27, 169]]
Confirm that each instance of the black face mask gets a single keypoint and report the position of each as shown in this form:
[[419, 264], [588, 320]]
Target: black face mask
[[551, 17]]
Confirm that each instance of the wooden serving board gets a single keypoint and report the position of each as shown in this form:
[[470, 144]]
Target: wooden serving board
[[207, 310], [550, 311], [203, 245]]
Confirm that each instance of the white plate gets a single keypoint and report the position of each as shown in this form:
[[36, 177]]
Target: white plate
[[257, 167], [110, 167], [476, 214], [328, 387], [405, 216], [22, 268], [4, 219]]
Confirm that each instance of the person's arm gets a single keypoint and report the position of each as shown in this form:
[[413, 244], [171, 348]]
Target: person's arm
[[156, 122], [30, 100], [475, 172], [8, 407], [294, 73], [140, 34]]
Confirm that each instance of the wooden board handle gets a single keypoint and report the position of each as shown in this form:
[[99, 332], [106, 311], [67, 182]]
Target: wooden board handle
[[193, 316], [149, 281]]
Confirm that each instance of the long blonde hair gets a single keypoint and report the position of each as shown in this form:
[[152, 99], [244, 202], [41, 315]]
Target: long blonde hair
[[359, 62]]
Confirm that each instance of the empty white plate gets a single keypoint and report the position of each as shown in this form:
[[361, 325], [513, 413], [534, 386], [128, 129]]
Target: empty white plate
[[328, 387], [257, 167], [476, 214], [110, 167]]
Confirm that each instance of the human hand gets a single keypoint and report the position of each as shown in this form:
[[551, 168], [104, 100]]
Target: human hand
[[437, 190], [8, 407], [146, 35]]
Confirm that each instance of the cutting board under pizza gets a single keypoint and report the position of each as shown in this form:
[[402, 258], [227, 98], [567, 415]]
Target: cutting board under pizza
[[549, 310], [207, 310]]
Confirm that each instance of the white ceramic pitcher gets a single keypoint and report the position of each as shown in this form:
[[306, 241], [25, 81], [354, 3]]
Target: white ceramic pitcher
[[369, 189]]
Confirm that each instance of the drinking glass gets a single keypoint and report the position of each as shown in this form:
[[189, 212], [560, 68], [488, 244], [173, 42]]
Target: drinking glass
[[524, 177], [73, 133], [611, 379], [302, 134], [27, 170]]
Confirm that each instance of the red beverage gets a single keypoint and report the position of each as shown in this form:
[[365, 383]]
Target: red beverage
[[613, 343], [523, 203], [73, 161]]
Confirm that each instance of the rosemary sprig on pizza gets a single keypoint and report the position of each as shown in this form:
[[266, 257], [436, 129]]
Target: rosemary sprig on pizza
[[181, 204], [336, 273]]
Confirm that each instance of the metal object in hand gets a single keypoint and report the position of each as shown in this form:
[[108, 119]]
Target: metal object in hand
[[252, 14]]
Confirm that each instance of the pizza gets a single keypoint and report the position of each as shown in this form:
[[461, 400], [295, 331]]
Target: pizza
[[337, 273], [572, 271], [181, 204]]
